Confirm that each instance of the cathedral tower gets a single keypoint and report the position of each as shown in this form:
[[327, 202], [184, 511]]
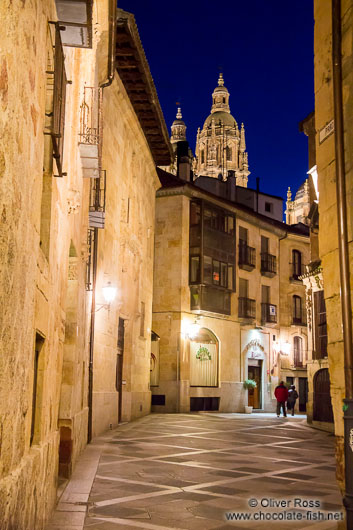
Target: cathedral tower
[[220, 144]]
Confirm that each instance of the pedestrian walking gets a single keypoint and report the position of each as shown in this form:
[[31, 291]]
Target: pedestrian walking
[[292, 398], [281, 394]]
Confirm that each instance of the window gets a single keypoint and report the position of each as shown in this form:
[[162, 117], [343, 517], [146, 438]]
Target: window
[[37, 396], [243, 288], [268, 207], [229, 153], [230, 224], [194, 269], [265, 294], [216, 272], [207, 217], [320, 326], [297, 310], [57, 116], [202, 156], [264, 244], [298, 351], [121, 331], [243, 235], [224, 268], [224, 100], [231, 277], [296, 264], [195, 213], [142, 321], [207, 269]]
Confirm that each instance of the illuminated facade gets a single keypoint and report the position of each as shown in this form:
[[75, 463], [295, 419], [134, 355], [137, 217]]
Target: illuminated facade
[[220, 144], [228, 304]]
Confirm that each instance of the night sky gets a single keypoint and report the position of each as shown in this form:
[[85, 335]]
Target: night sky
[[264, 49]]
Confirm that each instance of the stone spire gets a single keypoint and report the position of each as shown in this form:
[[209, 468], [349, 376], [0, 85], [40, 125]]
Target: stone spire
[[220, 97], [178, 129], [242, 139]]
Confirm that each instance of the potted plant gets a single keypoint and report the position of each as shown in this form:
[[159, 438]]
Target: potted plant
[[249, 384]]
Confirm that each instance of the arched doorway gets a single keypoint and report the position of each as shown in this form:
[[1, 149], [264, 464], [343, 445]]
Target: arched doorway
[[204, 353], [204, 359], [322, 399]]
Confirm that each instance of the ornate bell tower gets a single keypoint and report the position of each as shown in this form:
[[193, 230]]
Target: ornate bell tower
[[220, 145]]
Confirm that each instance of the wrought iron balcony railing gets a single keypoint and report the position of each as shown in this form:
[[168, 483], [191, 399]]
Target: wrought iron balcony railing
[[299, 319], [268, 313], [268, 264], [246, 308], [247, 256]]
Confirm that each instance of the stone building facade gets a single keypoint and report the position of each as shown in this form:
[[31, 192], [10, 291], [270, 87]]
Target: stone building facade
[[61, 174], [326, 169], [228, 304]]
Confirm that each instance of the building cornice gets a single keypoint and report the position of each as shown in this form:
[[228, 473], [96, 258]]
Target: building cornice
[[134, 71]]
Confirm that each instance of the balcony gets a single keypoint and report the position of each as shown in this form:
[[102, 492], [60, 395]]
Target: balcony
[[90, 137], [297, 271], [96, 214], [247, 256], [246, 308], [209, 298], [268, 313], [299, 319], [268, 265]]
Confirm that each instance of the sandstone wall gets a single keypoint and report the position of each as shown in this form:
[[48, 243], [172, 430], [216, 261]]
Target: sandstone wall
[[328, 234], [42, 272], [125, 258]]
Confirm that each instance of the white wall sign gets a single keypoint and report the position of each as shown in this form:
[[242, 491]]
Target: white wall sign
[[326, 131]]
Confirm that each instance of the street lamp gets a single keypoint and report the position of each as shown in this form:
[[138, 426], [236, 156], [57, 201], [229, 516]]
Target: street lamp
[[109, 293]]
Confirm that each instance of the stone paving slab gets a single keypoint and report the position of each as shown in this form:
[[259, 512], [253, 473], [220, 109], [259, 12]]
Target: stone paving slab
[[186, 471]]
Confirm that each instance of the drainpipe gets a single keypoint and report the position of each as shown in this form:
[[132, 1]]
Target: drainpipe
[[111, 44], [91, 336], [343, 258]]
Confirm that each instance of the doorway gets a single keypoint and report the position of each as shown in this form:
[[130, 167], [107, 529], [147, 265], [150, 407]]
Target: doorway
[[303, 393], [119, 365], [322, 398], [255, 373]]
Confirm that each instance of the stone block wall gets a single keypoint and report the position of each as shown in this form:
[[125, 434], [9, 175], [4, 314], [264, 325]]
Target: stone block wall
[[42, 279], [125, 258], [328, 234]]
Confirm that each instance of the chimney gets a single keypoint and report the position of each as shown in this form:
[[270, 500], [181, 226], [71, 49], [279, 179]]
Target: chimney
[[184, 162]]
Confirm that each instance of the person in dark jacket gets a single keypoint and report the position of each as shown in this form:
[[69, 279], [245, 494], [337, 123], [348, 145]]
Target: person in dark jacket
[[281, 394], [292, 398]]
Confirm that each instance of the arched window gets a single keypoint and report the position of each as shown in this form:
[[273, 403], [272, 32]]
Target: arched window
[[298, 351], [224, 100], [229, 152], [204, 359], [297, 310], [202, 156], [296, 264]]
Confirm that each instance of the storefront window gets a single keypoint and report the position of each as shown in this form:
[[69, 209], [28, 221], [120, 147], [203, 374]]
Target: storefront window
[[204, 359]]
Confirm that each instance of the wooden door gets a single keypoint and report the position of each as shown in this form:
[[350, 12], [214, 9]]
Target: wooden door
[[254, 395], [322, 398]]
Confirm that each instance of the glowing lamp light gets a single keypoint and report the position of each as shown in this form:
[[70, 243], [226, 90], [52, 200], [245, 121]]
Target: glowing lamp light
[[109, 293], [193, 330], [285, 348]]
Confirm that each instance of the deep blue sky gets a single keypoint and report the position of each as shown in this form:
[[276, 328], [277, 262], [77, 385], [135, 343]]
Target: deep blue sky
[[265, 50]]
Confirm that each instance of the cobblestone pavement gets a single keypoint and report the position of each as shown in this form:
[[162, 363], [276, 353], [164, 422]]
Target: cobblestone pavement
[[187, 471]]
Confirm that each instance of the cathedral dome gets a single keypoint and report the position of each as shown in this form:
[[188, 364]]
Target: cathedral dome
[[225, 117]]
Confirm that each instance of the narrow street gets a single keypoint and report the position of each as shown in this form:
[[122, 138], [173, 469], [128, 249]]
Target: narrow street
[[188, 471]]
